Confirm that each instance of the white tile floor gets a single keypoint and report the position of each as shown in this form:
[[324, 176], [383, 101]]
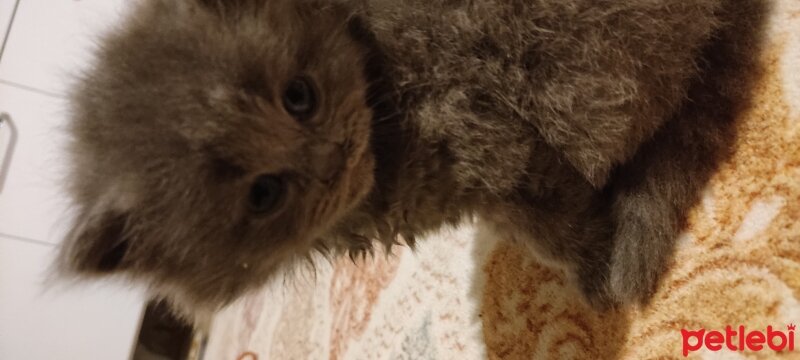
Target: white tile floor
[[42, 322], [32, 202], [46, 43], [6, 11], [51, 39]]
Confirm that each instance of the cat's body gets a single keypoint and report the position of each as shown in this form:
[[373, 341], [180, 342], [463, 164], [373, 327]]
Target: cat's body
[[519, 112]]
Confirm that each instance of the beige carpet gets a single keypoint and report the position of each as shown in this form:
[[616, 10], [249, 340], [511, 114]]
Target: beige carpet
[[467, 295]]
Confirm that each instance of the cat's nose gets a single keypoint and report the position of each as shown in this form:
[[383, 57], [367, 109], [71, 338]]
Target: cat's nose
[[326, 160]]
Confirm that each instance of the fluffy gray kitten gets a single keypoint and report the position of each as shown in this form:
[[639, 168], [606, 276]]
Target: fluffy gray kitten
[[218, 142]]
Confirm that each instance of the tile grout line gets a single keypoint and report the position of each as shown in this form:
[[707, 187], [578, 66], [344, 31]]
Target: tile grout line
[[8, 29], [26, 240], [31, 89], [2, 52]]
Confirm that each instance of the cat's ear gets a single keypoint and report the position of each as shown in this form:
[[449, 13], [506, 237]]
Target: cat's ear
[[98, 244]]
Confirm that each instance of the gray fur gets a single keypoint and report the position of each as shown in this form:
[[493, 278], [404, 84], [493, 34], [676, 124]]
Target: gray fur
[[529, 114]]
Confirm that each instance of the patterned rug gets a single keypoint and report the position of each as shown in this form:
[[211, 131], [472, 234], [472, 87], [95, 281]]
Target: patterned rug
[[467, 295]]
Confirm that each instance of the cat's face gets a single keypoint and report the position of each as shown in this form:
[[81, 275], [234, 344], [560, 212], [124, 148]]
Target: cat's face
[[214, 142]]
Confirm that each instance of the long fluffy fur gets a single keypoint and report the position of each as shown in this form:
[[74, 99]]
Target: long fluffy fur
[[529, 114]]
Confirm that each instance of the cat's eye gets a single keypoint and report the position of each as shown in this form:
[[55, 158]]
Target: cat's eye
[[266, 193], [299, 98]]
